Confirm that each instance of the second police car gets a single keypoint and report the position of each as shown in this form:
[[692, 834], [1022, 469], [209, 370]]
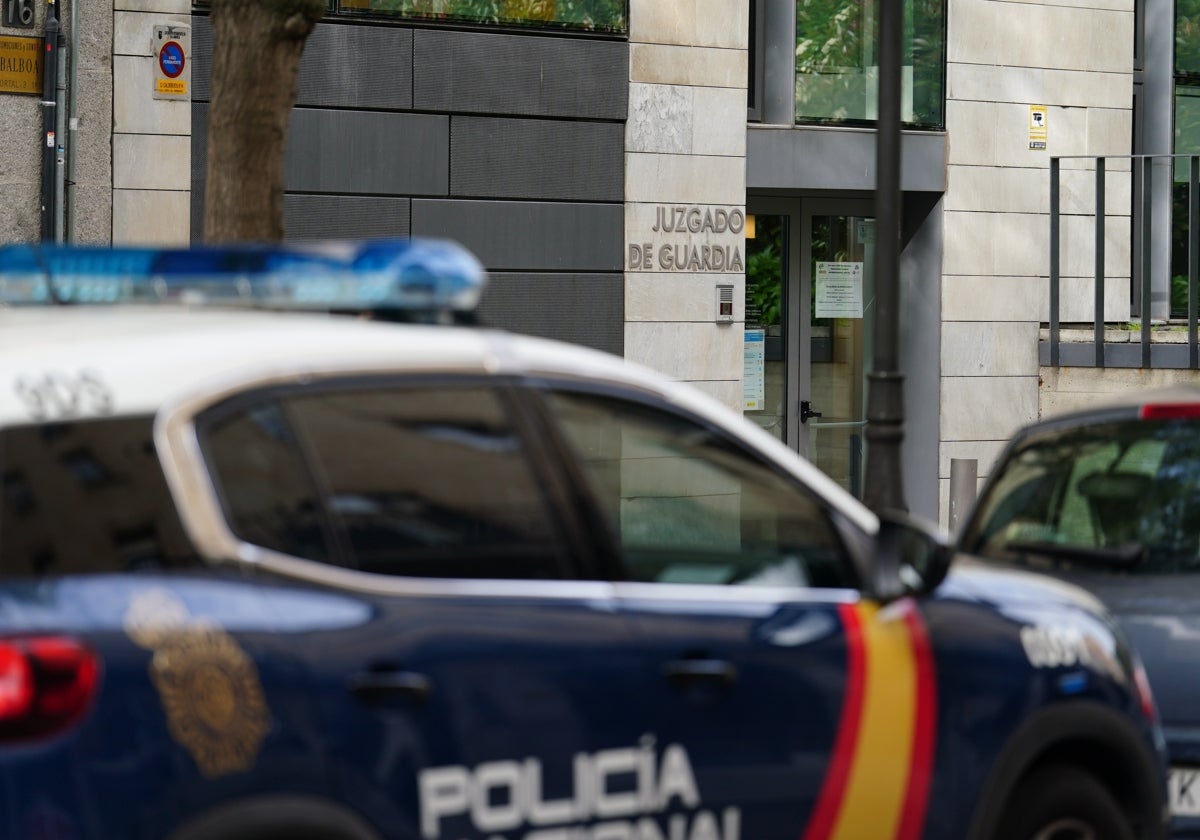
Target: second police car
[[272, 574]]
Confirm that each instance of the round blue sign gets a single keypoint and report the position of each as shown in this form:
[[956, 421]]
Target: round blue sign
[[170, 59]]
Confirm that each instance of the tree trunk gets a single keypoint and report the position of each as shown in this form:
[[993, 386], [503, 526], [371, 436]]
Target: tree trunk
[[256, 54]]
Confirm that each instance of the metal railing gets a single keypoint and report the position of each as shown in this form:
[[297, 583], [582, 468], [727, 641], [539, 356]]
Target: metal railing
[[1145, 353]]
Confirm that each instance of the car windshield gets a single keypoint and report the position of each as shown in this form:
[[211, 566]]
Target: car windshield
[[1120, 495]]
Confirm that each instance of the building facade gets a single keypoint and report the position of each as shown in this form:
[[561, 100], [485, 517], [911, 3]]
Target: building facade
[[686, 183]]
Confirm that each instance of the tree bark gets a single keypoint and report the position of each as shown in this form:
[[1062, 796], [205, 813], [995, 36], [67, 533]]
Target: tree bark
[[256, 55]]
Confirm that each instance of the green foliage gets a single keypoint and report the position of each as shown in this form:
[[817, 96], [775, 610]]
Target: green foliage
[[764, 282], [1187, 36], [836, 57], [593, 15]]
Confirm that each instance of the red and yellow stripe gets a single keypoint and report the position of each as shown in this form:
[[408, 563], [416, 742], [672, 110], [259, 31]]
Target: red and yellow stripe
[[877, 783]]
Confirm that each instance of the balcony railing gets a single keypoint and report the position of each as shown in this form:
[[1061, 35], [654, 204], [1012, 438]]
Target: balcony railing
[[1139, 341]]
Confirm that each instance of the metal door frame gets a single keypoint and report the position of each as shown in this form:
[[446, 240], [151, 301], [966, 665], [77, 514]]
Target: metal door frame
[[797, 296]]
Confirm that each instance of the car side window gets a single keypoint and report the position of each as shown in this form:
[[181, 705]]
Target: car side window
[[87, 497], [430, 481], [686, 505]]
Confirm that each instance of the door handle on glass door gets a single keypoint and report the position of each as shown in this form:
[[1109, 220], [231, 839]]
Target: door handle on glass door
[[806, 411]]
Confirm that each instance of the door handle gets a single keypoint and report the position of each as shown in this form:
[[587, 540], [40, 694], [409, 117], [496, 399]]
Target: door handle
[[700, 670], [806, 411], [381, 685]]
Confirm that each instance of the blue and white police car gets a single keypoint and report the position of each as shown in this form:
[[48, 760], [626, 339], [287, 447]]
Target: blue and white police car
[[311, 575]]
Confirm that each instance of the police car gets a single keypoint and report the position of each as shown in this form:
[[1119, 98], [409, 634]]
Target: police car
[[324, 575]]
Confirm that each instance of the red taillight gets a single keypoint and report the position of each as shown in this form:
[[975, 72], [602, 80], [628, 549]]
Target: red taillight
[[46, 684], [1169, 411], [1141, 684]]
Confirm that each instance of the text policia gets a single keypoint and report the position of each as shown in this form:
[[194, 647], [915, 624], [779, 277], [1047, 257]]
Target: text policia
[[618, 794]]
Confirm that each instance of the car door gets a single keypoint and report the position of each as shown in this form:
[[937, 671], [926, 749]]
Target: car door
[[467, 676], [783, 704]]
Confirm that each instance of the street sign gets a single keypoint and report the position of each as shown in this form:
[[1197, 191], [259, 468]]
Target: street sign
[[20, 65], [172, 60]]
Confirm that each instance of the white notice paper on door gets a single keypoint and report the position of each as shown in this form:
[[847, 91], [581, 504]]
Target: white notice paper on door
[[839, 290]]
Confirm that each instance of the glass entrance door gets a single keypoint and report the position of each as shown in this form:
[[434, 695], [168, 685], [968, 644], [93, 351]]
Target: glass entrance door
[[809, 294]]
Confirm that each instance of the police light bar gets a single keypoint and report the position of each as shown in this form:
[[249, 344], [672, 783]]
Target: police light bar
[[425, 275]]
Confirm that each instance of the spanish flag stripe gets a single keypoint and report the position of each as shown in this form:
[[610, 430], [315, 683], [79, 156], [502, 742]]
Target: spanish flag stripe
[[878, 780], [912, 822], [833, 789]]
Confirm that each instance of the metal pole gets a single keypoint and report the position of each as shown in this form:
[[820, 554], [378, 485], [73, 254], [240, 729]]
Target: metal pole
[[1054, 261], [1098, 320], [964, 478], [884, 485], [60, 134], [49, 119], [72, 120]]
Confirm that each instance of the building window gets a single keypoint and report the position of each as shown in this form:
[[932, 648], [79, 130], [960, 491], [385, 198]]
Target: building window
[[837, 63], [608, 16]]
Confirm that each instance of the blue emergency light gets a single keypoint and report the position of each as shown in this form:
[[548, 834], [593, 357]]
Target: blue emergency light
[[412, 275]]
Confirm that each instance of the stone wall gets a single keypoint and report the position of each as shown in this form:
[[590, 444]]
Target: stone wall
[[151, 142], [1076, 60], [87, 204], [685, 149]]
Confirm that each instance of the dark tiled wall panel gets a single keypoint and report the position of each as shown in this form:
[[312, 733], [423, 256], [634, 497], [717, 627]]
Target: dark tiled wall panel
[[344, 217], [341, 66], [539, 159], [475, 72], [367, 152], [528, 236], [584, 309], [510, 144]]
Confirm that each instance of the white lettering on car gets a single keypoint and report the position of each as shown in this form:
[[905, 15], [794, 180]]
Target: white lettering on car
[[61, 396], [501, 796], [1055, 646]]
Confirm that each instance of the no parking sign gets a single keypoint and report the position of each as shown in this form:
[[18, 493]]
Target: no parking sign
[[172, 60]]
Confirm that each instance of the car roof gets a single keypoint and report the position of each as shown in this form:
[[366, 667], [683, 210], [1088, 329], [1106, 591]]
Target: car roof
[[146, 357]]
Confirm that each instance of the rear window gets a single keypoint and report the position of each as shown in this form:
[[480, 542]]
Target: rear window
[[86, 497], [1127, 494]]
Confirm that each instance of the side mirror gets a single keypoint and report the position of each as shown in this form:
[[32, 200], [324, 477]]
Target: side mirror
[[911, 557]]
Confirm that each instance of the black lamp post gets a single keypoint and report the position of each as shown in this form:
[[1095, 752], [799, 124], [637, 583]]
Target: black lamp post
[[884, 484]]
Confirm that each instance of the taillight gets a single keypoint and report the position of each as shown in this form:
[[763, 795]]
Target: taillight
[[1141, 684], [1169, 411], [47, 683]]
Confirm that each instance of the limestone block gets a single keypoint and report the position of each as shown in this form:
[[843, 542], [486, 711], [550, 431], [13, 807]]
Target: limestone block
[[687, 351], [1040, 35], [1038, 86], [133, 32], [151, 217], [660, 119], [701, 23], [673, 65], [992, 298], [719, 121], [999, 244], [680, 297], [135, 110], [982, 408], [691, 179], [178, 7], [151, 162], [1004, 348], [728, 392], [1109, 129]]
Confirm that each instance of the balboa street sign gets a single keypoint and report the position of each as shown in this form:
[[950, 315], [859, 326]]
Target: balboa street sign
[[688, 237]]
